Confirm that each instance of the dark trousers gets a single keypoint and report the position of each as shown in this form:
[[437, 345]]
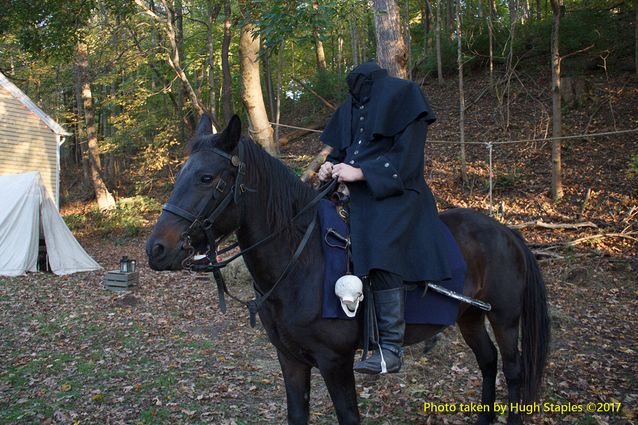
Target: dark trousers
[[381, 280]]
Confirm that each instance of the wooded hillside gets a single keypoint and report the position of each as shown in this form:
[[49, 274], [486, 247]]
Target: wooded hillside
[[130, 78]]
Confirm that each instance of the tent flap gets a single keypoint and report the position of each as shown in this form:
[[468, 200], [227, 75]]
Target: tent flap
[[25, 205]]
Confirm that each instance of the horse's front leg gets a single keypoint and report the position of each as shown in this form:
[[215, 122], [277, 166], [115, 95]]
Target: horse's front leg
[[336, 370], [297, 381]]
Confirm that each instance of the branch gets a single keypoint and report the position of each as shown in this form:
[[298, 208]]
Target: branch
[[284, 139], [576, 52], [540, 223], [314, 165], [325, 102], [601, 236], [148, 11]]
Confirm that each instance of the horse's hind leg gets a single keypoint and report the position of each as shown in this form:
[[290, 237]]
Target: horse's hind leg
[[472, 326], [507, 339], [297, 381], [337, 373]]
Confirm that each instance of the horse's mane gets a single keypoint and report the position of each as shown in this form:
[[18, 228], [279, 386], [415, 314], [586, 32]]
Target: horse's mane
[[283, 193]]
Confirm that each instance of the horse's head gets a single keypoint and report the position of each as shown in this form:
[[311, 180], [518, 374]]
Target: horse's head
[[203, 196]]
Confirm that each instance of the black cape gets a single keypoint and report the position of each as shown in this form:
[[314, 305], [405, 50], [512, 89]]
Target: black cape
[[395, 103], [381, 128]]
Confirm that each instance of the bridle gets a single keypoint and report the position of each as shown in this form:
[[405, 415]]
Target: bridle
[[204, 221]]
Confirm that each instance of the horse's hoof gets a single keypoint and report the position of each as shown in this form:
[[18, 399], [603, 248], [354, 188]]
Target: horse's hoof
[[431, 343]]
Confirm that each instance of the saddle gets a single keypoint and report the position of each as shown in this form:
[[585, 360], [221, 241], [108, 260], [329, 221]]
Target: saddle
[[422, 307]]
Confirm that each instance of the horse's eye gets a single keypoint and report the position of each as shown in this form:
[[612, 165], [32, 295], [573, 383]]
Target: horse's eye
[[206, 179]]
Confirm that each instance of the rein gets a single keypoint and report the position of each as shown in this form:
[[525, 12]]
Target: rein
[[204, 222]]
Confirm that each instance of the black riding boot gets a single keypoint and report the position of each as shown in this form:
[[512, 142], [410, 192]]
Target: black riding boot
[[389, 305]]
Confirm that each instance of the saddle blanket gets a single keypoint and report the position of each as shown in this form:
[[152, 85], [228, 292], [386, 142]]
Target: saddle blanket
[[433, 308]]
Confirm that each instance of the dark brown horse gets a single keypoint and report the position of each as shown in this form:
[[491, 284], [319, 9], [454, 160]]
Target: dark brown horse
[[240, 188]]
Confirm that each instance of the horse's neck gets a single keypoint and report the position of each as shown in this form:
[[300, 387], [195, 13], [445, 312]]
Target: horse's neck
[[268, 261]]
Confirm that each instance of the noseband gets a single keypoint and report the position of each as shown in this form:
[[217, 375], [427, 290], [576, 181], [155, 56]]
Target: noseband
[[204, 220]]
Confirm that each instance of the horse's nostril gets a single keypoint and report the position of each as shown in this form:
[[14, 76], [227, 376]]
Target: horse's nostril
[[158, 250]]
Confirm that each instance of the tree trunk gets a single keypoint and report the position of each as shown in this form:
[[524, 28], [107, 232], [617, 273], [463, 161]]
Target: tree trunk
[[339, 54], [105, 200], [80, 133], [539, 10], [459, 58], [391, 51], [407, 38], [176, 24], [227, 82], [259, 126], [321, 56], [449, 21], [280, 71], [213, 11], [267, 79], [439, 65], [509, 68], [355, 54], [425, 18], [490, 36], [557, 184]]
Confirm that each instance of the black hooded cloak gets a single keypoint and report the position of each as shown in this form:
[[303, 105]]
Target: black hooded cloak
[[381, 128]]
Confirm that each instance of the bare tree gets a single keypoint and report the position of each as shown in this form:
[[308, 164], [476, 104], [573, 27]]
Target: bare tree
[[426, 13], [105, 200], [259, 125], [439, 65], [407, 37], [490, 36], [459, 58], [227, 82], [539, 10], [212, 11], [391, 51], [321, 56], [557, 184], [355, 50]]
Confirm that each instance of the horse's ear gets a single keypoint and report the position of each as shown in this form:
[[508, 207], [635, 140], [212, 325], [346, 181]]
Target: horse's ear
[[204, 126], [231, 134]]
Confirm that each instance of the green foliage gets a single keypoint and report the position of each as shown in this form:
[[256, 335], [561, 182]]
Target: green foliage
[[129, 217], [306, 106], [448, 60], [143, 117]]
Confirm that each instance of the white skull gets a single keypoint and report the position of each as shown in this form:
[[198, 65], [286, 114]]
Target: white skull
[[349, 289]]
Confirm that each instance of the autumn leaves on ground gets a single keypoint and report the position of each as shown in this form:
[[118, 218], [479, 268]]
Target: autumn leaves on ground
[[72, 352]]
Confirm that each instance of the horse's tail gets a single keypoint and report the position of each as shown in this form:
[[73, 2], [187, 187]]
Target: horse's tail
[[535, 327]]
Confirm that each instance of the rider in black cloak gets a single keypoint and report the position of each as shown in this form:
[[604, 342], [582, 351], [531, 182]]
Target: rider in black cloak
[[378, 136]]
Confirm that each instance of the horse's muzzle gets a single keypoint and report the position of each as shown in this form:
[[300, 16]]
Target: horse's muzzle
[[162, 257]]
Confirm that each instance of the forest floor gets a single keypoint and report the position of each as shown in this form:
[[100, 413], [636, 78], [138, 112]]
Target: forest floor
[[72, 352]]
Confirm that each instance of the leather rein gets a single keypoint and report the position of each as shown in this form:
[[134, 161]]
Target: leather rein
[[204, 221]]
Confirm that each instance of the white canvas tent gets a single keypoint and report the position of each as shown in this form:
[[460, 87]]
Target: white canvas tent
[[25, 208]]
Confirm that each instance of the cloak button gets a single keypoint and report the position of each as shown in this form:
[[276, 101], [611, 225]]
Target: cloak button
[[361, 107], [352, 162], [356, 152], [386, 165], [394, 176], [361, 130], [359, 142], [361, 118]]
